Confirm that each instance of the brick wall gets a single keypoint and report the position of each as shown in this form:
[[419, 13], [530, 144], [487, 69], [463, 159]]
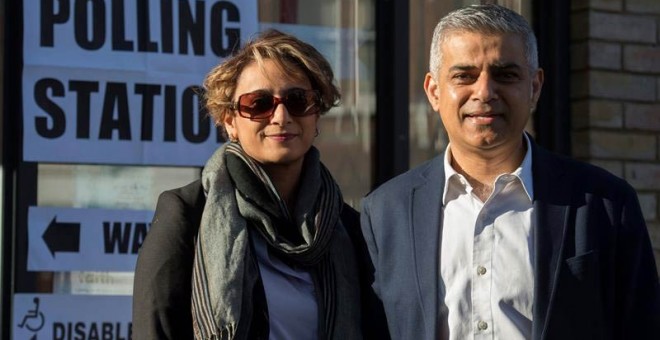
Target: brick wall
[[615, 95]]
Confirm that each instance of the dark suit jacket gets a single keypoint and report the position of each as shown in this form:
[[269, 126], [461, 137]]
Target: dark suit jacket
[[594, 271], [163, 275]]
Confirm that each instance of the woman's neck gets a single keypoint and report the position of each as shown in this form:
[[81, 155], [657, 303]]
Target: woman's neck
[[286, 179]]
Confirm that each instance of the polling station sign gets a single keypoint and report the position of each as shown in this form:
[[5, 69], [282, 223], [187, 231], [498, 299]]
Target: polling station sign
[[119, 82], [75, 239], [65, 317]]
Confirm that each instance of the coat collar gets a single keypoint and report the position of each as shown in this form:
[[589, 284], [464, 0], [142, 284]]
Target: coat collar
[[425, 223], [552, 199]]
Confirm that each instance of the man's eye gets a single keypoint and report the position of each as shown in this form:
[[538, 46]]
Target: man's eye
[[507, 76], [463, 77]]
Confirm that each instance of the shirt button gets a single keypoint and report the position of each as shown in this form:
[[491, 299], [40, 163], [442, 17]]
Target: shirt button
[[481, 270], [482, 325]]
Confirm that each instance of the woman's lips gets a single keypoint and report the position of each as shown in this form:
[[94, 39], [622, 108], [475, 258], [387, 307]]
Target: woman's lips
[[282, 137]]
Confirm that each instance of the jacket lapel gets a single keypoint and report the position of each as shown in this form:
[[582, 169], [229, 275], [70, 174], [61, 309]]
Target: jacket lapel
[[552, 197], [425, 216]]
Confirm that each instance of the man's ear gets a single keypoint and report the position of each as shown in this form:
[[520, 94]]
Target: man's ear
[[432, 91], [537, 85]]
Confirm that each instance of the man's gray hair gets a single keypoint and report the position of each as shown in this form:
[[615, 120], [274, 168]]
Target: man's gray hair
[[484, 19]]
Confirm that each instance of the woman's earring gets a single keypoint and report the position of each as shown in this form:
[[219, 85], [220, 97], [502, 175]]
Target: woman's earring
[[317, 132]]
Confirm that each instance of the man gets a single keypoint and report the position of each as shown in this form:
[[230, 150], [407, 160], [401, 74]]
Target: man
[[497, 238]]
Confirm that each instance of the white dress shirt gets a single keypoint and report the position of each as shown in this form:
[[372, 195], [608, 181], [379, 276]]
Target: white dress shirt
[[486, 262]]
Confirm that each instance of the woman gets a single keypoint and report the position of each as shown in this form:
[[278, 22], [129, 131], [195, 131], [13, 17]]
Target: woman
[[263, 245]]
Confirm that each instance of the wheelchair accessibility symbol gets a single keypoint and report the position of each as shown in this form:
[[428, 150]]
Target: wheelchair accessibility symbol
[[34, 319]]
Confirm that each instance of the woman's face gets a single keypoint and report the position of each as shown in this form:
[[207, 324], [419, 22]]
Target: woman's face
[[281, 139]]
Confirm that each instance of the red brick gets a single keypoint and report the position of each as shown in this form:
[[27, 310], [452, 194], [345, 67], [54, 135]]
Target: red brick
[[643, 116], [614, 167], [596, 113], [642, 58], [643, 6], [619, 145], [643, 176], [649, 205], [603, 146], [594, 54], [622, 27], [612, 5], [613, 85], [654, 233]]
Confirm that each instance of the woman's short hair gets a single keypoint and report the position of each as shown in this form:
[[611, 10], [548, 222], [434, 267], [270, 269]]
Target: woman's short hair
[[288, 52]]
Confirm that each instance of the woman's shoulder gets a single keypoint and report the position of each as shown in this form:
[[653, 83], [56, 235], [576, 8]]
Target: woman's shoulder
[[191, 194], [162, 283], [179, 211]]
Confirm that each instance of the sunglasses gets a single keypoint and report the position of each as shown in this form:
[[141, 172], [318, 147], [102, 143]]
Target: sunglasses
[[261, 105]]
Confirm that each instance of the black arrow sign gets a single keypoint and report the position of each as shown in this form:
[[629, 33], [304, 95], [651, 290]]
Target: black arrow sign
[[62, 237]]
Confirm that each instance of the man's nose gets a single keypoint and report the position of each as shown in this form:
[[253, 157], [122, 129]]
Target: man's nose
[[485, 88]]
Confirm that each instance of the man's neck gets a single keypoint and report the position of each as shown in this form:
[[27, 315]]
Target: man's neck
[[481, 167]]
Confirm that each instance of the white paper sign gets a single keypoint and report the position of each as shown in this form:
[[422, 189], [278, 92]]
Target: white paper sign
[[63, 317], [70, 239], [118, 82]]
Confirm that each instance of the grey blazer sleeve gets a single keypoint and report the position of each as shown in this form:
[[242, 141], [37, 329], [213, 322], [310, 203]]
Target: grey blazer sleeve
[[162, 283]]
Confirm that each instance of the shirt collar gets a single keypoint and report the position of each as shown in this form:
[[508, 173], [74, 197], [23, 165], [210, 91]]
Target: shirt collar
[[524, 171], [449, 172]]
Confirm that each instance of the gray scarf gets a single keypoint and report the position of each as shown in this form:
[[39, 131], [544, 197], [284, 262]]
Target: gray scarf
[[240, 195]]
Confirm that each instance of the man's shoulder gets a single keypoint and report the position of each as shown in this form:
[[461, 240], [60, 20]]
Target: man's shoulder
[[583, 175], [404, 182]]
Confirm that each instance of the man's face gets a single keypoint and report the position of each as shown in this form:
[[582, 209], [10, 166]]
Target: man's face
[[484, 90]]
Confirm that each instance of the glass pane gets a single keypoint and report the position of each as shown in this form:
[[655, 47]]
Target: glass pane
[[343, 31], [106, 187], [427, 135]]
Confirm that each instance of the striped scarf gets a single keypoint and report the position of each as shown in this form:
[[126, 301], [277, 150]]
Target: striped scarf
[[240, 195]]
